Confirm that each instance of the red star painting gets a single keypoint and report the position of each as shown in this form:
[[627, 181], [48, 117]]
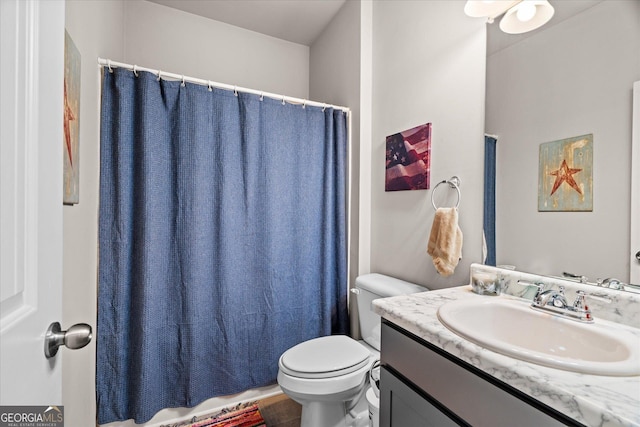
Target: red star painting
[[565, 174], [565, 178], [68, 116], [71, 122]]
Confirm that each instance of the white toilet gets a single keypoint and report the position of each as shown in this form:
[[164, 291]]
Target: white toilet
[[328, 376]]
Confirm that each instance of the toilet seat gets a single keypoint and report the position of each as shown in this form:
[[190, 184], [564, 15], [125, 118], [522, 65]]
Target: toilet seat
[[324, 357]]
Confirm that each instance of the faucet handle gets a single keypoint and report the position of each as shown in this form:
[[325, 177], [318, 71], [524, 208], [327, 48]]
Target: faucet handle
[[580, 305]]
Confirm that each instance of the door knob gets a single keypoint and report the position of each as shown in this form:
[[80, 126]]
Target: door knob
[[74, 338]]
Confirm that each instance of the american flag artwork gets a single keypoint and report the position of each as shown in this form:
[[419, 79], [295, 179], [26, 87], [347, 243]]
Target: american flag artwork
[[408, 159]]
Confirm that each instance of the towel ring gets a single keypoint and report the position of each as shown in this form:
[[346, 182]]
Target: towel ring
[[454, 182]]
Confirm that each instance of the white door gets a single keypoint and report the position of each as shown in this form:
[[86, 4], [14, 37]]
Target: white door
[[635, 188], [31, 97]]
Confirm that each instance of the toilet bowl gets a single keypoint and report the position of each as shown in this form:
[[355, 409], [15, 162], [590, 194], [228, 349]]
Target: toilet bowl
[[328, 376]]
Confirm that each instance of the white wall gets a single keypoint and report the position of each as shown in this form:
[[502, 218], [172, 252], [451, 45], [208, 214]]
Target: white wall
[[96, 28], [366, 128], [571, 79], [163, 38], [428, 66]]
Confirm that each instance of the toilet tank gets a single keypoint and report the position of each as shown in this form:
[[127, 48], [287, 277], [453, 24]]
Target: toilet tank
[[373, 286]]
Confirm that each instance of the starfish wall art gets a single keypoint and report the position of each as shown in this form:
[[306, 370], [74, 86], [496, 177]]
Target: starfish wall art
[[565, 181], [71, 122]]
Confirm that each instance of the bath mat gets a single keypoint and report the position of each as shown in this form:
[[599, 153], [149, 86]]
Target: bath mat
[[248, 416]]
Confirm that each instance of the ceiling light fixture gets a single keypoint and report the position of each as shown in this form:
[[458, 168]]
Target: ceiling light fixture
[[520, 16]]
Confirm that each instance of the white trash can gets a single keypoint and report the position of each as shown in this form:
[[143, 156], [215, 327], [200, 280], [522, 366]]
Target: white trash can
[[374, 408]]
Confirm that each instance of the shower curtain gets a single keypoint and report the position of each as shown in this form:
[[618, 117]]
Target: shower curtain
[[489, 218], [221, 237]]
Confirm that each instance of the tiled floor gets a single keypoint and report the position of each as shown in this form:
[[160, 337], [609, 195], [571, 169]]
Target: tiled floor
[[280, 411]]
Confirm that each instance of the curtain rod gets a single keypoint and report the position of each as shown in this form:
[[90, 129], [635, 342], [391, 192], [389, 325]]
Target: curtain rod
[[113, 64]]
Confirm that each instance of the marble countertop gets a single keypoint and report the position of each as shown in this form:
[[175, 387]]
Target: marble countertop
[[590, 399]]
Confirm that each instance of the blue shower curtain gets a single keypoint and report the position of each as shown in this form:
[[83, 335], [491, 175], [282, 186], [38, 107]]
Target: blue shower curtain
[[221, 236], [489, 220]]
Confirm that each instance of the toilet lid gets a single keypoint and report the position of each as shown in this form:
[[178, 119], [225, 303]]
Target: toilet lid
[[324, 357]]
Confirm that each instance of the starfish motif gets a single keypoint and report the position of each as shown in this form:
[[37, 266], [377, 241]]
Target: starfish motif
[[565, 174], [68, 116]]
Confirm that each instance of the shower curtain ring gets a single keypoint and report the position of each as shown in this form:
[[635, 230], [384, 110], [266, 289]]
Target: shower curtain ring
[[109, 65], [135, 70], [235, 90], [159, 75], [283, 100], [182, 84], [262, 96], [304, 104], [209, 84]]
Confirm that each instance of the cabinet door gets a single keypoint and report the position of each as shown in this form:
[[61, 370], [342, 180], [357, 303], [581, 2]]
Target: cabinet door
[[465, 393], [401, 406]]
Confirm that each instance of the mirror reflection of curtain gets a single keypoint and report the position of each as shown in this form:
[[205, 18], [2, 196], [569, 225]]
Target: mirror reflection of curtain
[[489, 221], [634, 276], [222, 240]]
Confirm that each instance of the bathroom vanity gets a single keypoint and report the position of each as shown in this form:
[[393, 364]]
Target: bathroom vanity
[[431, 376]]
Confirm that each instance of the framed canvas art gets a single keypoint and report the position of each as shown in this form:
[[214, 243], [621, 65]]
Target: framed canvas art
[[408, 159], [565, 178]]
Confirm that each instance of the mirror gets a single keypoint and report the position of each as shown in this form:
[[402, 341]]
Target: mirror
[[573, 76]]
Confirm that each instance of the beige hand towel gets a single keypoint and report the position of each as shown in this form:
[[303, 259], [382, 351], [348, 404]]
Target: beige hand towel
[[445, 241]]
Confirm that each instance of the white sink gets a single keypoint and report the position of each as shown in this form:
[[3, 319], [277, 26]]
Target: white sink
[[513, 328]]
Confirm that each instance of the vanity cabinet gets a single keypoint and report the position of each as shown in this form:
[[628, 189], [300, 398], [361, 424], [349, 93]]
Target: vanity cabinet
[[422, 385]]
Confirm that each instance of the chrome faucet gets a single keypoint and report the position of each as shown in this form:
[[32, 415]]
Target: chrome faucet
[[550, 297], [610, 282], [555, 302]]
